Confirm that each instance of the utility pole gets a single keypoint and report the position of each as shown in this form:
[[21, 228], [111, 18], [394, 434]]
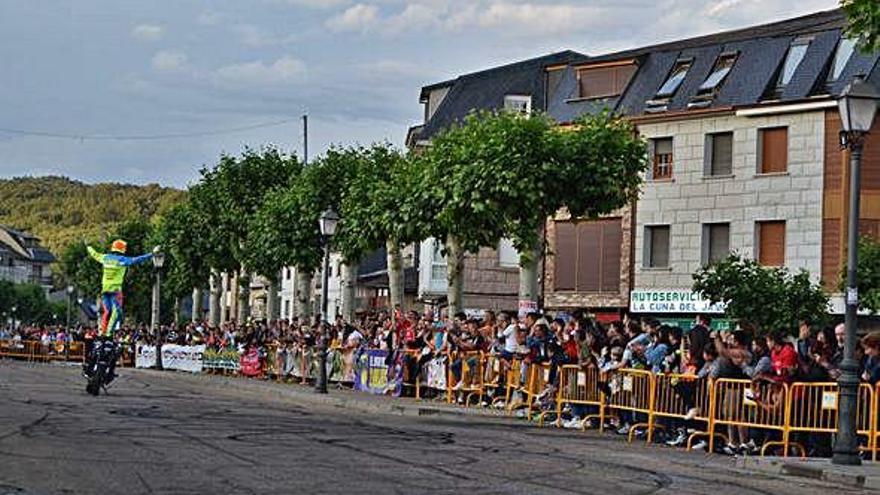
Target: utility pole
[[305, 139]]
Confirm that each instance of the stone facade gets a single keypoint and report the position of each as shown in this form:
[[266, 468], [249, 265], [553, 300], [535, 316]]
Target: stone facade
[[690, 199], [571, 299]]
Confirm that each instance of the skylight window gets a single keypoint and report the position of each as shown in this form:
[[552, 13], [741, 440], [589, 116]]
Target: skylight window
[[793, 59], [674, 80], [722, 68], [844, 52]]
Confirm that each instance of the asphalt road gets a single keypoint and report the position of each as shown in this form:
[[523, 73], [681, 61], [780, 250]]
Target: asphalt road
[[172, 433]]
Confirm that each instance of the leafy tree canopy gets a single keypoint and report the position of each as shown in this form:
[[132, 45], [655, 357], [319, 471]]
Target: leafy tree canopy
[[864, 22], [868, 275], [772, 298]]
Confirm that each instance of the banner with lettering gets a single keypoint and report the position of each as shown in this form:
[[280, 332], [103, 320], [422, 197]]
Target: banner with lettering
[[372, 373]]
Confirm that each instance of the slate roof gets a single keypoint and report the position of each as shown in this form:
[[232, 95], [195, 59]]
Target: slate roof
[[761, 52], [25, 245], [485, 90]]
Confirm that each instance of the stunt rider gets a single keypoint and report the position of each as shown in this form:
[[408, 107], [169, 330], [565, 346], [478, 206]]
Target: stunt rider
[[115, 266]]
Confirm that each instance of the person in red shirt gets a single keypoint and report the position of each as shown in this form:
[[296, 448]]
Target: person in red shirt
[[783, 357]]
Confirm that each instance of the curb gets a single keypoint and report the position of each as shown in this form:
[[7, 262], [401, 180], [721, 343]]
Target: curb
[[865, 477]]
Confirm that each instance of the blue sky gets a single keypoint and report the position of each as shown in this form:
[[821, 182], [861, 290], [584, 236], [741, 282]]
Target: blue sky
[[144, 68]]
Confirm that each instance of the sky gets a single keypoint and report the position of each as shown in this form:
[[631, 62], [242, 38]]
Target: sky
[[88, 87]]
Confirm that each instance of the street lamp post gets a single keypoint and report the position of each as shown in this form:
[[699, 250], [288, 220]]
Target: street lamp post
[[328, 221], [857, 106], [158, 262], [69, 301], [14, 321]]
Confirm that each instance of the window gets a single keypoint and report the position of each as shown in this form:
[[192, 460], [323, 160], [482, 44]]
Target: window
[[675, 78], [287, 308], [606, 80], [773, 150], [793, 59], [718, 154], [507, 254], [716, 242], [771, 242], [662, 168], [656, 246], [844, 52], [552, 77], [438, 262], [587, 255], [518, 103], [722, 67]]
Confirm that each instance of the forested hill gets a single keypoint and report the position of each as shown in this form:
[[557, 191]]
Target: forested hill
[[60, 210]]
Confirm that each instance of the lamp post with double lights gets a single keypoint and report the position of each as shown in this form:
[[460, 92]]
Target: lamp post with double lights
[[158, 263], [857, 106], [328, 222]]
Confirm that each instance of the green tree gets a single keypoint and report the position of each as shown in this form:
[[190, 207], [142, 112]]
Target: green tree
[[374, 215], [868, 275], [864, 22], [227, 198], [502, 174], [772, 298]]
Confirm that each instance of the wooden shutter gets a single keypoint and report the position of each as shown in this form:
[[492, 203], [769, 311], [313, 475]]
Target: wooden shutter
[[589, 256], [612, 244], [774, 150], [771, 239], [565, 258], [599, 82], [663, 158]]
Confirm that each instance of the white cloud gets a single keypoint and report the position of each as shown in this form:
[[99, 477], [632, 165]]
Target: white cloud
[[209, 18], [285, 70], [255, 36], [360, 17], [319, 4], [147, 32], [169, 60]]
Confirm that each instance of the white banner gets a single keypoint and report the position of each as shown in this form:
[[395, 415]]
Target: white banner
[[671, 301], [174, 357]]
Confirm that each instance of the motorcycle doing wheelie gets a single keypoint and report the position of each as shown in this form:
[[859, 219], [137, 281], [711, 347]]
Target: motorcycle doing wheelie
[[101, 367]]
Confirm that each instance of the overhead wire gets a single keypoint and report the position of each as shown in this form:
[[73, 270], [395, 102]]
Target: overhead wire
[[141, 137]]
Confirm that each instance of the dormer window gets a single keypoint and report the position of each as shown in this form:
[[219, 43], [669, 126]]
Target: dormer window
[[670, 86], [793, 59], [675, 79], [845, 49], [605, 80], [518, 103], [719, 73]]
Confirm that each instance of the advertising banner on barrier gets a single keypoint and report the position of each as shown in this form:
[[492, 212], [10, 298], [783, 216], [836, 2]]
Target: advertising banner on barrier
[[371, 373], [174, 357]]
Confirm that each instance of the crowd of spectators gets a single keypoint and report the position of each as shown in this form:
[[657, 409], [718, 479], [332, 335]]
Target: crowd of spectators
[[415, 341]]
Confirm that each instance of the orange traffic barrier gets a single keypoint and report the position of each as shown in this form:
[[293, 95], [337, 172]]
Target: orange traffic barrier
[[743, 403], [633, 391], [516, 371], [470, 380], [670, 390], [493, 375], [580, 386]]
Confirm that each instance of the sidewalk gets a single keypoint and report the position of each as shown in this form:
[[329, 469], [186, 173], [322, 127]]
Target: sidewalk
[[865, 476]]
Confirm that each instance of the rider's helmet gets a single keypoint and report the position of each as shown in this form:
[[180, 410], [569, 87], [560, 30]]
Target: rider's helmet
[[118, 246]]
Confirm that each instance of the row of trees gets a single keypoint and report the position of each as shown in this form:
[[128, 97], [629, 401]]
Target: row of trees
[[30, 305], [497, 175]]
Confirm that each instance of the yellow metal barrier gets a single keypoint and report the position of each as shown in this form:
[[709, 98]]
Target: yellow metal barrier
[[515, 383], [669, 402], [580, 386], [414, 382], [868, 417], [471, 378], [752, 405], [24, 349], [633, 391], [493, 375]]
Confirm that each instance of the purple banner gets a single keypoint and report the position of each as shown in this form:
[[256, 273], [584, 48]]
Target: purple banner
[[373, 375]]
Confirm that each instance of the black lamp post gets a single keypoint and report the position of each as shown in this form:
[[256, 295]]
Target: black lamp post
[[857, 106], [158, 263], [328, 222]]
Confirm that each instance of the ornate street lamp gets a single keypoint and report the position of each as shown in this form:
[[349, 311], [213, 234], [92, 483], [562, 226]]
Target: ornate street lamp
[[858, 106], [158, 263], [327, 223]]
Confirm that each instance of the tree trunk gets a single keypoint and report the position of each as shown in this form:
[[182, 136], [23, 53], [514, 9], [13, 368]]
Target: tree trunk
[[196, 305], [225, 303], [214, 303], [528, 280], [176, 309], [272, 305], [395, 276], [349, 284], [303, 294], [454, 275], [244, 297]]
